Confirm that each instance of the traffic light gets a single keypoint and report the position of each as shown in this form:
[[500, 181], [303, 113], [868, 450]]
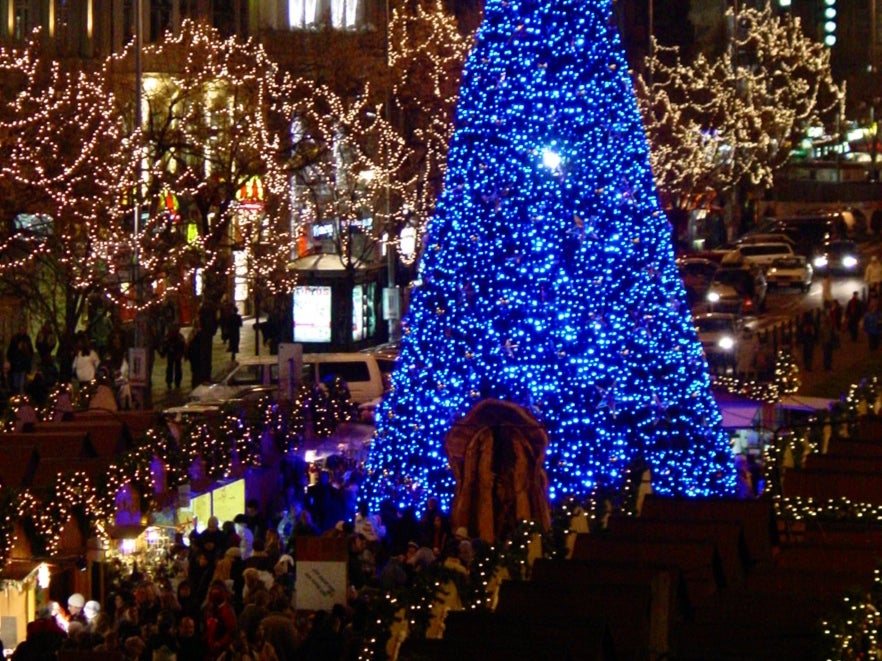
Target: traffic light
[[829, 22]]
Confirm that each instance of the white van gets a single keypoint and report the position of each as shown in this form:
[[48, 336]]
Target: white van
[[360, 371]]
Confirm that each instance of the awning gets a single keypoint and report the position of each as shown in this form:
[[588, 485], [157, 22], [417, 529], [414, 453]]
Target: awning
[[738, 411]]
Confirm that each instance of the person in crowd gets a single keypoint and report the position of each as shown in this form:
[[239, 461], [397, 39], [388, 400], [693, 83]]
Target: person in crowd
[[255, 520], [75, 604], [319, 502], [133, 648], [826, 290], [272, 545], [91, 611], [86, 361], [212, 540], [427, 520], [325, 637], [836, 313], [20, 356], [362, 563], [369, 525], [200, 346], [873, 276], [163, 643], [246, 537], [231, 328], [440, 534], [201, 572], [828, 339], [44, 637], [187, 599], [173, 348], [280, 631], [188, 643], [194, 354], [45, 342], [873, 324], [219, 621], [854, 312], [807, 337]]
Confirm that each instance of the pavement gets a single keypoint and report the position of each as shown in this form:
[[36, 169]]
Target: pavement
[[163, 397], [852, 362]]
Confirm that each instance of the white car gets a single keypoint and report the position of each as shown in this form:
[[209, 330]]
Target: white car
[[718, 333], [792, 271]]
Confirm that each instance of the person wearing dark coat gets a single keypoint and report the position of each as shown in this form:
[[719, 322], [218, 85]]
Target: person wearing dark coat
[[20, 356]]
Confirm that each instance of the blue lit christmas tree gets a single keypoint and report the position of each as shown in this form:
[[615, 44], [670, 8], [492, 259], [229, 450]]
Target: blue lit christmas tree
[[548, 278]]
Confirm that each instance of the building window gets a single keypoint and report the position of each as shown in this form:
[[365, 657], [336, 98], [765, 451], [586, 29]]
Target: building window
[[344, 14], [302, 13], [22, 28], [224, 17], [160, 19]]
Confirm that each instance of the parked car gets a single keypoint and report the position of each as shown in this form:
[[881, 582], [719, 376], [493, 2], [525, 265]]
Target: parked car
[[738, 287], [360, 371], [696, 273], [840, 256], [792, 271], [763, 254], [718, 333], [808, 232], [779, 237]]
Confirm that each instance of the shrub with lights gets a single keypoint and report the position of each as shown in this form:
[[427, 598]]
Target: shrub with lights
[[549, 279]]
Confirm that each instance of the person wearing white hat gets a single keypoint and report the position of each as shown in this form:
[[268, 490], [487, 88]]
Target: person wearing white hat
[[91, 610], [75, 603]]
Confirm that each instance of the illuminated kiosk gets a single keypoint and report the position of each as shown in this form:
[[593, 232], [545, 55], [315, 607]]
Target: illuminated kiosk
[[335, 308]]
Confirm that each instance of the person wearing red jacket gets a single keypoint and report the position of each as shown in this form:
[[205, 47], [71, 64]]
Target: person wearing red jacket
[[220, 621]]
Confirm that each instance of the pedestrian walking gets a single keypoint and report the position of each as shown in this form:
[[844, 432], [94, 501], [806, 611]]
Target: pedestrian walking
[[854, 312], [826, 290], [195, 354], [873, 276], [829, 340], [873, 324], [172, 348], [807, 337], [231, 325]]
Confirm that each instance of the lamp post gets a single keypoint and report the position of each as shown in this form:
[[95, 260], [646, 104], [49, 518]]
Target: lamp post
[[139, 365]]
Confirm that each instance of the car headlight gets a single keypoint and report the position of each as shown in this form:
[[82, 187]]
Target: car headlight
[[849, 262], [820, 261], [713, 297], [726, 343]]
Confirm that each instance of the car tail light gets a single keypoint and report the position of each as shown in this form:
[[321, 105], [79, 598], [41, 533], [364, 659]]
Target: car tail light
[[748, 304]]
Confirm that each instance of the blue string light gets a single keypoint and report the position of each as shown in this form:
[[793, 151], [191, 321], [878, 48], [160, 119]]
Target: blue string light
[[549, 280]]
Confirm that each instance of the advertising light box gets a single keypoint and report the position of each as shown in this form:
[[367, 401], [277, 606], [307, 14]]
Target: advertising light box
[[312, 314]]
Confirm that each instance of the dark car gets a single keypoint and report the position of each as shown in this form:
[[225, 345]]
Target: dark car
[[808, 233], [738, 287], [696, 273], [841, 256]]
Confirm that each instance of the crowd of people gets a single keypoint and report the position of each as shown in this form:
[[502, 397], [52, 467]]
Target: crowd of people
[[32, 365], [229, 591]]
